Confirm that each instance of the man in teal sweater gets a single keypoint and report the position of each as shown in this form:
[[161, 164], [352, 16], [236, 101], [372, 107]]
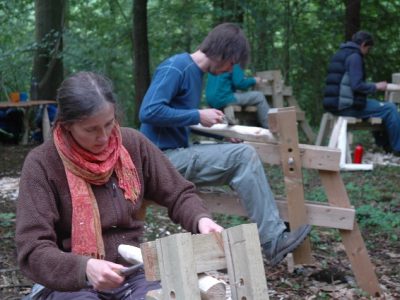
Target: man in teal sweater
[[221, 92]]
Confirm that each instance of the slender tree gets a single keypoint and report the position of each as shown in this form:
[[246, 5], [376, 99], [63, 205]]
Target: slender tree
[[48, 65], [352, 21], [141, 67]]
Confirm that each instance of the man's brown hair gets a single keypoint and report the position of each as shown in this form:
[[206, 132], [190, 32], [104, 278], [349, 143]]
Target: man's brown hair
[[226, 42]]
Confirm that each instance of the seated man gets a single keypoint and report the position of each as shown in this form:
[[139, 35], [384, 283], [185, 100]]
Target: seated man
[[221, 92], [346, 90], [171, 105]]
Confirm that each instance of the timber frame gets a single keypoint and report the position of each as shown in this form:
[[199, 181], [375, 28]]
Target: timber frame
[[280, 146], [180, 260], [279, 95], [284, 149]]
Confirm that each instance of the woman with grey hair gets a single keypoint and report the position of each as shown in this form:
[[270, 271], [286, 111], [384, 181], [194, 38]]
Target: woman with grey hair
[[80, 194]]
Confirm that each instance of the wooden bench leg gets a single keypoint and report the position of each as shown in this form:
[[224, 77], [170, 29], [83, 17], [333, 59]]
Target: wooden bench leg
[[322, 129], [352, 239], [45, 124]]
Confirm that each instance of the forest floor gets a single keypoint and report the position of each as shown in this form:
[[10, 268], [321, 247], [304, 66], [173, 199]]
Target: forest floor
[[328, 277]]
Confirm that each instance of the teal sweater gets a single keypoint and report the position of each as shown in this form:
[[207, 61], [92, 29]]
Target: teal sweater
[[221, 88]]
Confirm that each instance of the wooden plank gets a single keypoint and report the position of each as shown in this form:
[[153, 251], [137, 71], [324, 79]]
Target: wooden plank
[[277, 89], [291, 167], [249, 133], [311, 156], [150, 260], [352, 239], [394, 96], [244, 262], [46, 132], [267, 90], [323, 128], [208, 253], [273, 86], [334, 138], [177, 267], [318, 214], [26, 103], [300, 115], [210, 288]]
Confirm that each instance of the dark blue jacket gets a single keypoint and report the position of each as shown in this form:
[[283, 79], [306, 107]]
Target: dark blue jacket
[[345, 84]]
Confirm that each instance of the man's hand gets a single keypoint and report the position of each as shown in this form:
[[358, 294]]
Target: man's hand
[[210, 116], [102, 274], [381, 86], [233, 140], [206, 225], [258, 80]]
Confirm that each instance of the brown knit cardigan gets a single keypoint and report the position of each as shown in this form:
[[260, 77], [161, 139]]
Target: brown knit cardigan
[[43, 230]]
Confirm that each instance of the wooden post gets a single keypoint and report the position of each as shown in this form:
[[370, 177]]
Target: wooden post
[[244, 263], [395, 96], [283, 122], [45, 124], [273, 85], [277, 90], [352, 239], [177, 267]]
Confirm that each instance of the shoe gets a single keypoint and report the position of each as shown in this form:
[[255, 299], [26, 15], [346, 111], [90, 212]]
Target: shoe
[[277, 249]]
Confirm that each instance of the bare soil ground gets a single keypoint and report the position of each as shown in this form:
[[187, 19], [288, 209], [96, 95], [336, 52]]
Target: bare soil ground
[[330, 277]]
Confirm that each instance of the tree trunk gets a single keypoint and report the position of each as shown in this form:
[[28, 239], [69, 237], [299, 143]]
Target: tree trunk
[[141, 73], [352, 21], [48, 70]]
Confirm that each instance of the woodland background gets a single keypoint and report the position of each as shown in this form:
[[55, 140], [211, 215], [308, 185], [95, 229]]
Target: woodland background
[[44, 41]]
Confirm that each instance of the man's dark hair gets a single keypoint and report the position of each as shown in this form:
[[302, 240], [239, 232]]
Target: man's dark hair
[[361, 37], [226, 42]]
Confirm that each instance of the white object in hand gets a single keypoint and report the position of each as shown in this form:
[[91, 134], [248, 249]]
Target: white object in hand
[[130, 253]]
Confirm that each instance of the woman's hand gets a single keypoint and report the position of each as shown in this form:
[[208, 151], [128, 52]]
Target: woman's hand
[[103, 274], [206, 225]]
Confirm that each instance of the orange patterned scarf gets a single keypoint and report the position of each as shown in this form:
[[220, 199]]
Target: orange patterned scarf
[[84, 168]]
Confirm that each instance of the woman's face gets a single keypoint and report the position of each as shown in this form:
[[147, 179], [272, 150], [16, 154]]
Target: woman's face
[[92, 133]]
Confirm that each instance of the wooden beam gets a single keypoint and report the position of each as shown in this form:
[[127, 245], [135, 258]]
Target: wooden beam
[[248, 133], [244, 262], [352, 239], [177, 267], [311, 156], [318, 214], [208, 253]]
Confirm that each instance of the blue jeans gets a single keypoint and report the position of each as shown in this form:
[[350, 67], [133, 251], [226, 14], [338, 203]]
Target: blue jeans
[[257, 99], [135, 287], [385, 110], [239, 166]]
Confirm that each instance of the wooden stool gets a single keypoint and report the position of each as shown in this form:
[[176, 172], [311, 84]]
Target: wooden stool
[[337, 130]]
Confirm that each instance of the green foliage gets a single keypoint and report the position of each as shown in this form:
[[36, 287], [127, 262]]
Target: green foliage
[[17, 46], [7, 219], [297, 37], [385, 223]]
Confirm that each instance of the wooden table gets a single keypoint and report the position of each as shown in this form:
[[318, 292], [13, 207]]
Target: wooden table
[[27, 105]]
